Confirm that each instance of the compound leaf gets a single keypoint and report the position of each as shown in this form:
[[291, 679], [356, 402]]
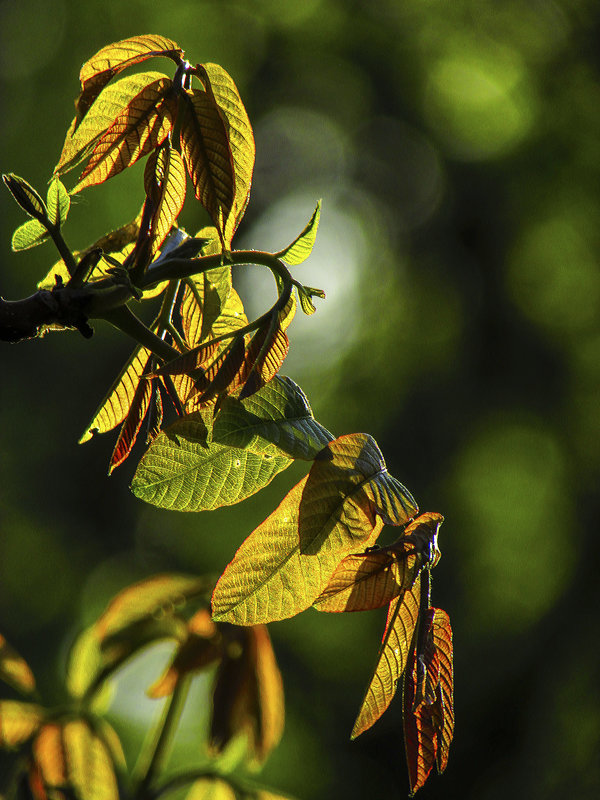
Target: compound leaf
[[18, 722], [392, 659], [14, 670], [279, 414], [184, 470], [300, 249]]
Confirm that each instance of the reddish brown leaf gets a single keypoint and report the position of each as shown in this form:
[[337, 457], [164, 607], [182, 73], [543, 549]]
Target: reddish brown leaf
[[132, 424]]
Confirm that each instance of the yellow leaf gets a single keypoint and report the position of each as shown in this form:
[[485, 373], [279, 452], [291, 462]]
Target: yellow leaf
[[392, 659], [211, 789], [164, 179], [14, 669], [18, 722]]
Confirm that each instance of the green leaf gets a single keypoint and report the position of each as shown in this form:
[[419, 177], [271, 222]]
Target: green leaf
[[29, 234], [58, 201], [300, 249], [278, 414], [185, 470], [306, 294], [26, 196]]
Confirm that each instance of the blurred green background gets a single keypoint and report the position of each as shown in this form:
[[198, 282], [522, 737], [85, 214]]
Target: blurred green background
[[456, 146]]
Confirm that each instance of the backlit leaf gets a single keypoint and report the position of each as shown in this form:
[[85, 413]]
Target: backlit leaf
[[184, 470], [392, 659], [71, 758], [112, 59], [212, 788], [241, 139], [205, 150], [14, 670], [269, 691], [132, 424], [111, 104], [116, 404], [26, 196], [164, 179], [203, 303], [322, 519], [18, 722], [300, 249], [29, 234], [58, 201], [279, 413], [140, 127]]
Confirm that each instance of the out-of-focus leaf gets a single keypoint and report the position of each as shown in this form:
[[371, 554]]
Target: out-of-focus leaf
[[58, 201], [110, 105], [279, 414], [26, 196], [18, 722], [373, 579], [241, 139], [132, 424], [112, 59], [29, 234], [285, 564], [71, 760], [184, 470], [199, 650], [140, 127], [270, 714], [300, 249], [14, 670], [211, 789], [115, 406], [392, 659], [207, 156], [164, 179]]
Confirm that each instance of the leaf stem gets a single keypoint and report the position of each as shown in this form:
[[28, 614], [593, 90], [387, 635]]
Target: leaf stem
[[62, 247], [126, 321]]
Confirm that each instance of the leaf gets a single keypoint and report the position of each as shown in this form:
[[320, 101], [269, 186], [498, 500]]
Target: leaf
[[140, 127], [306, 293], [111, 105], [211, 788], [164, 179], [26, 196], [392, 659], [116, 403], [279, 414], [184, 470], [285, 564], [18, 722], [71, 758], [373, 579], [58, 201], [241, 139], [300, 249], [14, 670], [132, 424], [112, 59], [204, 301], [205, 150], [29, 234]]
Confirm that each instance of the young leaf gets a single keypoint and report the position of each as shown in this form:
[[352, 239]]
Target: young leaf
[[132, 424], [29, 234], [164, 180], [14, 670], [112, 59], [204, 301], [306, 294], [111, 104], [300, 249], [58, 201], [207, 156], [285, 564], [184, 470], [18, 722], [392, 659], [241, 138], [279, 414], [139, 128], [26, 196]]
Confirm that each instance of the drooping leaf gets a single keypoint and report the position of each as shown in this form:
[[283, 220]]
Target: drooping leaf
[[184, 470], [139, 128], [392, 659], [29, 234], [279, 414], [110, 105], [270, 712], [375, 578], [326, 516], [241, 139], [14, 670], [112, 59], [115, 406], [132, 424], [164, 179], [26, 196], [300, 249], [70, 760], [58, 201], [18, 722], [306, 294], [207, 155]]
